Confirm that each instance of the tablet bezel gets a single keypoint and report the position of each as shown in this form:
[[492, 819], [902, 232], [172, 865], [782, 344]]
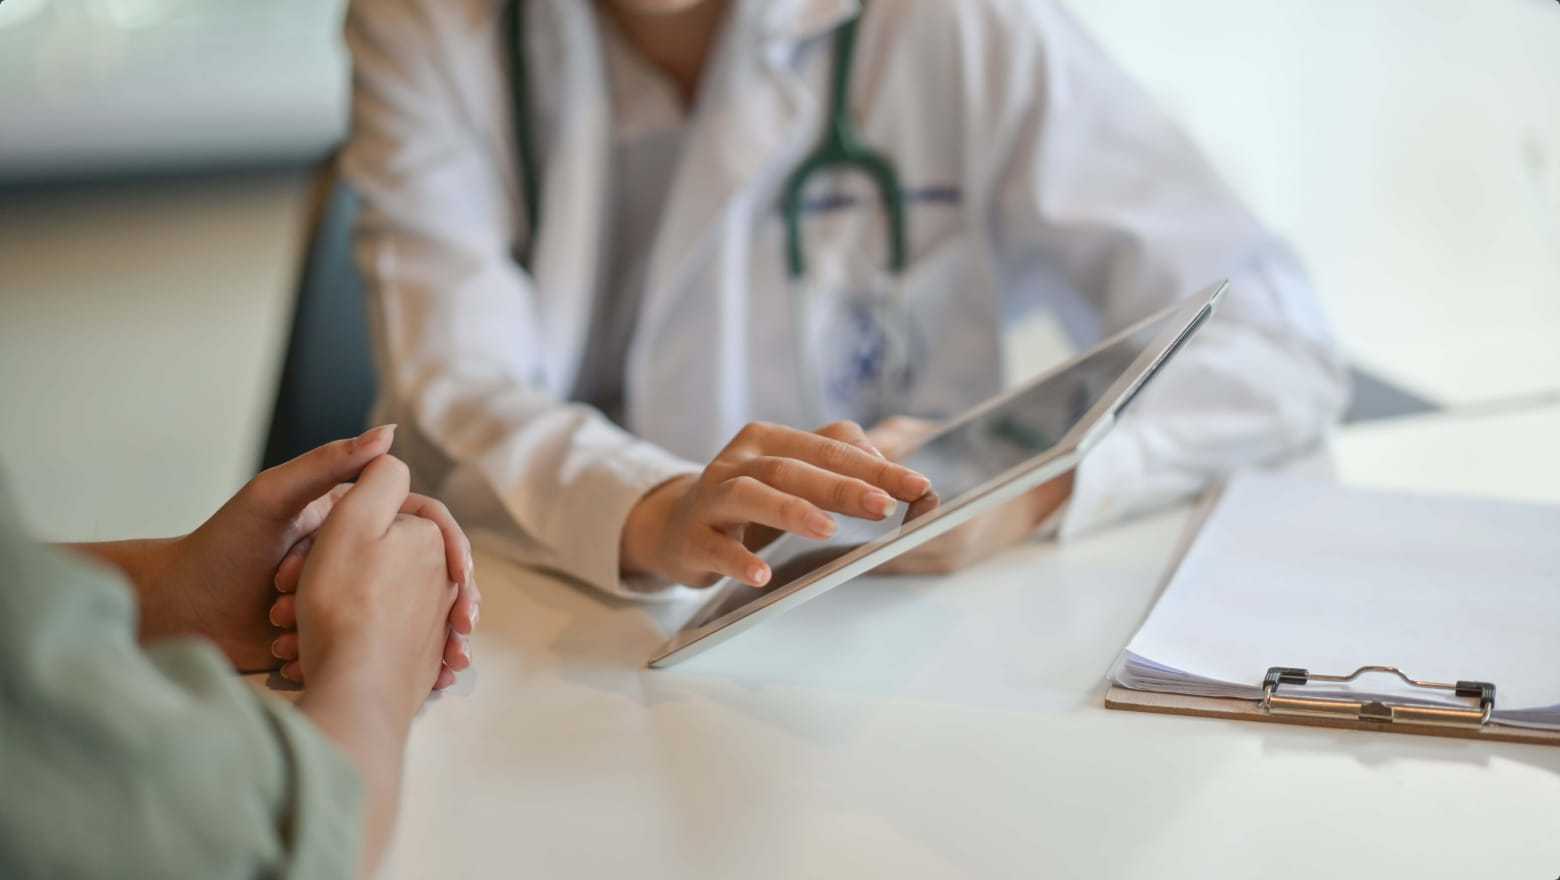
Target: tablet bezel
[[1054, 462]]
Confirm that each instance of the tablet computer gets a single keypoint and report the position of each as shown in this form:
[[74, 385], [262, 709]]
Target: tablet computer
[[984, 458]]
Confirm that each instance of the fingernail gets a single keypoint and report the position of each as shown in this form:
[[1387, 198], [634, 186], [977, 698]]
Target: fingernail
[[372, 435], [289, 673], [276, 649], [880, 504], [915, 485], [758, 575], [476, 612], [820, 524], [272, 615], [471, 565]]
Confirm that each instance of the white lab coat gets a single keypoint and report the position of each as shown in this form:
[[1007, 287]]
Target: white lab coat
[[1056, 185]]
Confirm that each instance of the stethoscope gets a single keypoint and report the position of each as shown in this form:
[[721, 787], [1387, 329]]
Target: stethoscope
[[883, 349]]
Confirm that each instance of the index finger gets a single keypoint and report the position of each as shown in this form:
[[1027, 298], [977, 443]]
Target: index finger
[[375, 500], [851, 461]]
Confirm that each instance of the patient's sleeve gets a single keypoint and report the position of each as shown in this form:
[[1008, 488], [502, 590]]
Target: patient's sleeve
[[119, 762]]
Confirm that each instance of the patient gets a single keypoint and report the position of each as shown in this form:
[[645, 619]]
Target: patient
[[131, 749]]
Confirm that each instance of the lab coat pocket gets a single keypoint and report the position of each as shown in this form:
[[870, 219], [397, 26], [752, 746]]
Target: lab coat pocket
[[858, 344], [951, 297], [877, 344], [862, 341]]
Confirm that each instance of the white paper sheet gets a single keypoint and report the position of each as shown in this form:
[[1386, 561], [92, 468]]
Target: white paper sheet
[[1290, 572]]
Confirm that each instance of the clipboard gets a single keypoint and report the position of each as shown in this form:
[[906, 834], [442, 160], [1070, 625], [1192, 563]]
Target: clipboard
[[1281, 704], [1283, 700]]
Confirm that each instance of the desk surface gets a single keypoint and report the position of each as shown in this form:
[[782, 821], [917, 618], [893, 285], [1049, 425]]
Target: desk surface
[[923, 728]]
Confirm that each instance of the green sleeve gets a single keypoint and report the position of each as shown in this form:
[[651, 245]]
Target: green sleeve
[[119, 762]]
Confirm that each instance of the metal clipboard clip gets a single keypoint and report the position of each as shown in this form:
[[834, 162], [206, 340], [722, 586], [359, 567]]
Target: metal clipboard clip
[[1275, 703]]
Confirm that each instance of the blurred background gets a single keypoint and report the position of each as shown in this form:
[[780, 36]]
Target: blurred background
[[160, 159]]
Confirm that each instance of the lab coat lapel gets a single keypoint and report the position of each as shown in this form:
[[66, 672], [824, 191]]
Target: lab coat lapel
[[745, 138], [572, 108]]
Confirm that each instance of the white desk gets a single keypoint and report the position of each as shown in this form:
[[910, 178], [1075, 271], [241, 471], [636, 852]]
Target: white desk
[[922, 728], [1508, 455]]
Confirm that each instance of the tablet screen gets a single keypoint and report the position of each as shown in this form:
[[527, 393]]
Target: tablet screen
[[962, 458]]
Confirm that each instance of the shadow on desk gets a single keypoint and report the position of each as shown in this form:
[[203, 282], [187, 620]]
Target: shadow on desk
[[574, 625], [536, 626], [1029, 631], [1374, 750]]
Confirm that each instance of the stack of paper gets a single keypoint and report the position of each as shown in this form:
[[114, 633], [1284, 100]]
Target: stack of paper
[[1287, 572]]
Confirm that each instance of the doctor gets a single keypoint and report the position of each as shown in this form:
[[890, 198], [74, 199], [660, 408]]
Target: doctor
[[616, 247]]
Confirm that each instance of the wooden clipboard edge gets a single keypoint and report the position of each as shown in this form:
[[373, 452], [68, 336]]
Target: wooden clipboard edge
[[1117, 697]]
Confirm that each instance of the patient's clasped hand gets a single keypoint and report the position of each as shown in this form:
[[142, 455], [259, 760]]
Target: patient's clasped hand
[[234, 579], [326, 567]]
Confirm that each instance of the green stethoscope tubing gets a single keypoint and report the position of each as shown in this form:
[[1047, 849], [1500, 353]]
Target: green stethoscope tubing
[[525, 135], [841, 147]]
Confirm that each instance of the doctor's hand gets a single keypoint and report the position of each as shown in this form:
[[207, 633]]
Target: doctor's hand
[[981, 537], [770, 479]]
